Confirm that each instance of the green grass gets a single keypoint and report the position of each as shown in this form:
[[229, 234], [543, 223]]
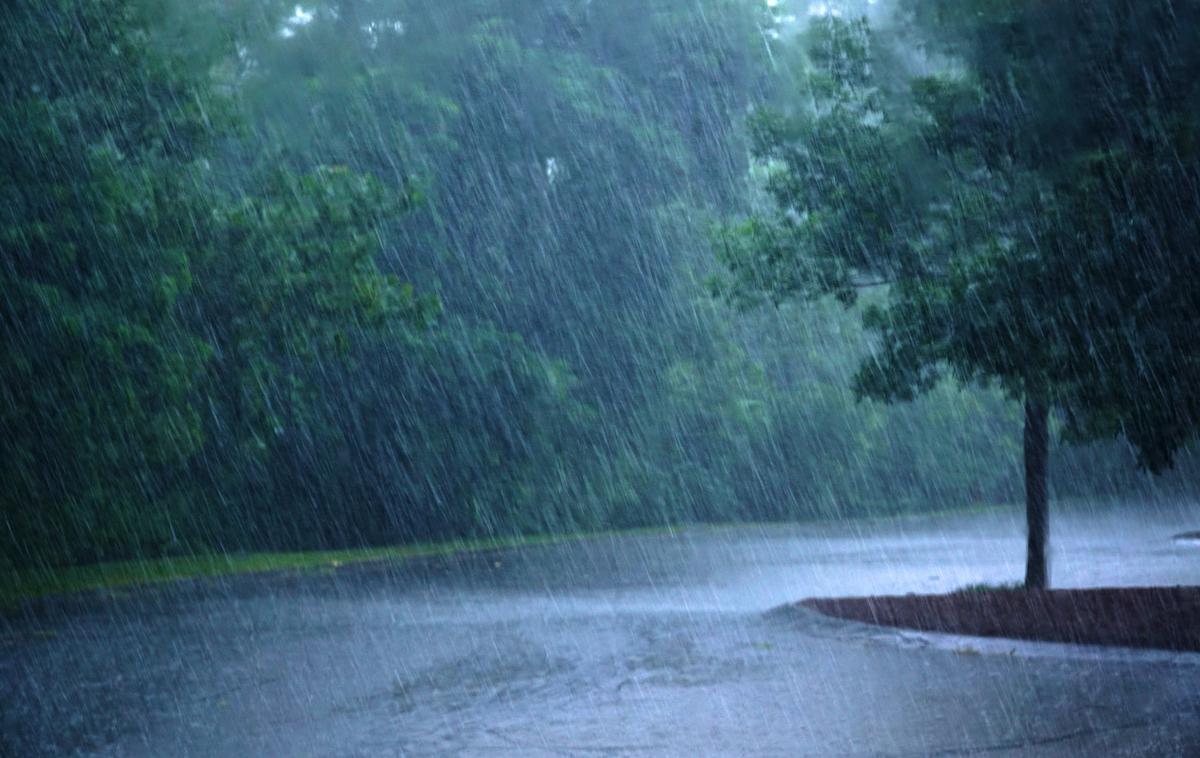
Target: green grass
[[25, 585], [18, 586], [985, 587]]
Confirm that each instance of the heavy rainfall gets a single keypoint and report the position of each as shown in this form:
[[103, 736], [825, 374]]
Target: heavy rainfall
[[599, 377]]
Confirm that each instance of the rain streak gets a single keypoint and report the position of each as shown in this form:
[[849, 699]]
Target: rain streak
[[599, 377]]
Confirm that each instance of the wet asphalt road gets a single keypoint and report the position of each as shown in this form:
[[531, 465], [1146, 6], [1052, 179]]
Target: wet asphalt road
[[647, 645]]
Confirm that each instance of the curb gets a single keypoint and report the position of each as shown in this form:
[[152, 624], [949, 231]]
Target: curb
[[962, 644]]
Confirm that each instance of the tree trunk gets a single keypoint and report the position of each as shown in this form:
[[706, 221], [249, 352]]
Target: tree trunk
[[1037, 506]]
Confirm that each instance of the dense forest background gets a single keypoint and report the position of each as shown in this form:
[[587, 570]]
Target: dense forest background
[[364, 272]]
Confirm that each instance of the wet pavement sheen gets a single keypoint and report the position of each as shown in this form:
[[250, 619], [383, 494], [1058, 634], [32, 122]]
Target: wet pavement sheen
[[667, 644]]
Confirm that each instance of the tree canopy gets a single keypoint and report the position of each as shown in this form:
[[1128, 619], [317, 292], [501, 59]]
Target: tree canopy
[[366, 272], [1024, 215]]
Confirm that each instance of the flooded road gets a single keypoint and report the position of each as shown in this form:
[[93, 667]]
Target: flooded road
[[660, 644]]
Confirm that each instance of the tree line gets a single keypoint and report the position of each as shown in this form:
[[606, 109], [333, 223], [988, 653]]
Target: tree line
[[351, 273]]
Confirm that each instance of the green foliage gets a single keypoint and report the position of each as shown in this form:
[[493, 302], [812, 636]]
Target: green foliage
[[1022, 209], [1089, 138], [97, 373], [405, 270], [152, 315]]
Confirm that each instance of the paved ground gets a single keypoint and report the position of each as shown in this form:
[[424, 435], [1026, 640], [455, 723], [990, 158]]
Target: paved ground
[[659, 645]]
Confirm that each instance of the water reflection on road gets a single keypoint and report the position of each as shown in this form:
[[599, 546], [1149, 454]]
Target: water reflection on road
[[653, 644]]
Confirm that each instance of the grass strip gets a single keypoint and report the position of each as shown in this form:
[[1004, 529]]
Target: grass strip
[[28, 584]]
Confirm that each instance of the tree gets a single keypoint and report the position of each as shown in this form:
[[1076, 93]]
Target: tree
[[1086, 113], [153, 318], [969, 210], [100, 164]]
